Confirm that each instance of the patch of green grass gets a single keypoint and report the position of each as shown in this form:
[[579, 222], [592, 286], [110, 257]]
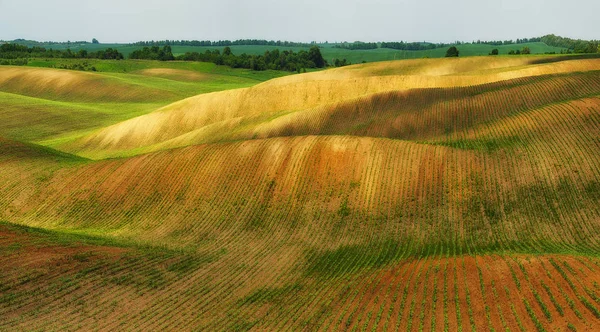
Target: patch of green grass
[[270, 295], [188, 263], [353, 258], [13, 247], [83, 256], [485, 145]]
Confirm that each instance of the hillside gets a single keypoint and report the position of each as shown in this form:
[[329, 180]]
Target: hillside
[[436, 194], [315, 102], [49, 105]]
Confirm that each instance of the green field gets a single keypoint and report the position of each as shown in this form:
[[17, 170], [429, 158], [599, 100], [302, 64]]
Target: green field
[[229, 75]]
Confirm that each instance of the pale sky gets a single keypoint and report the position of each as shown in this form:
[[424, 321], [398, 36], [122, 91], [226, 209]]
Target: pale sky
[[307, 20]]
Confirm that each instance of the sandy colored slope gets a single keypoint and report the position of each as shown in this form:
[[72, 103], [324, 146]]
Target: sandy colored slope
[[488, 181], [175, 74], [489, 69], [426, 113], [271, 99], [272, 109], [421, 114], [417, 67], [73, 85], [342, 184]]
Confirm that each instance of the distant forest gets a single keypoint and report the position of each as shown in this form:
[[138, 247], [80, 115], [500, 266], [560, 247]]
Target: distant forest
[[16, 53], [275, 60], [574, 45], [221, 43]]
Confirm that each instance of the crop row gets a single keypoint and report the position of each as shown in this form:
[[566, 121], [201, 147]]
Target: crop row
[[56, 285]]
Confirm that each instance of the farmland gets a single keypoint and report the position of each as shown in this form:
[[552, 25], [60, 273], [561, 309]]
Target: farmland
[[426, 194]]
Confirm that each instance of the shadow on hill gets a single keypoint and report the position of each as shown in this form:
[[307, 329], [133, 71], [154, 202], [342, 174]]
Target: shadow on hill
[[21, 150], [565, 58]]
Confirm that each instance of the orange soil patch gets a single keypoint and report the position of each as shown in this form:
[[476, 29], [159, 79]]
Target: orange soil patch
[[498, 303]]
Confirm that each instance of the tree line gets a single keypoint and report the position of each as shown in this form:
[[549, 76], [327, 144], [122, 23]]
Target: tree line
[[357, 46], [413, 46], [16, 51], [274, 60], [153, 53], [575, 45], [221, 43], [508, 42], [571, 45]]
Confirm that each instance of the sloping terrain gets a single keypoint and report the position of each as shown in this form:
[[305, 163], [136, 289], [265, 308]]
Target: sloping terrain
[[308, 100], [432, 194], [51, 106], [55, 281]]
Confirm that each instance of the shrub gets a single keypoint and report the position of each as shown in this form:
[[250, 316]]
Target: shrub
[[452, 52]]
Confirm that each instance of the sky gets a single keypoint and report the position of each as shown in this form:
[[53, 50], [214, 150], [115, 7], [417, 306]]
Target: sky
[[308, 20]]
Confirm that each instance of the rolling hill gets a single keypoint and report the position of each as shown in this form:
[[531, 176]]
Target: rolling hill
[[432, 194], [304, 104]]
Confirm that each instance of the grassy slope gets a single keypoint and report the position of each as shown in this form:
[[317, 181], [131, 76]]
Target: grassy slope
[[53, 106], [133, 66], [484, 215]]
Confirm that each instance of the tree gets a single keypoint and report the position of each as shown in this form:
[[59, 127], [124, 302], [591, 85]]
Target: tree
[[591, 48], [227, 51], [340, 63], [314, 55], [452, 52], [166, 54], [525, 50], [494, 52], [95, 41]]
